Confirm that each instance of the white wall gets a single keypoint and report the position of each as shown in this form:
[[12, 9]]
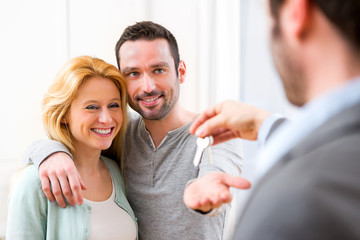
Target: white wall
[[39, 36]]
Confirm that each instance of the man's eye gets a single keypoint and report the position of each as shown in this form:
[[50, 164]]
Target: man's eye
[[159, 71], [133, 74], [113, 105], [92, 107]]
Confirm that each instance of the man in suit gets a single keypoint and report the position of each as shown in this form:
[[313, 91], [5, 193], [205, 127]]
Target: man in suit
[[308, 183]]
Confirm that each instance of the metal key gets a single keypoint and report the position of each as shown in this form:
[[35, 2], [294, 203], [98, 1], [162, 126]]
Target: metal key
[[202, 144]]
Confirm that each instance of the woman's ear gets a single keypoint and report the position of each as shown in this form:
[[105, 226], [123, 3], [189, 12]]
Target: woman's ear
[[64, 120]]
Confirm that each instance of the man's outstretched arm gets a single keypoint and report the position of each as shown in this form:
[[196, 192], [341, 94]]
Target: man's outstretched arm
[[224, 121], [226, 159], [212, 191]]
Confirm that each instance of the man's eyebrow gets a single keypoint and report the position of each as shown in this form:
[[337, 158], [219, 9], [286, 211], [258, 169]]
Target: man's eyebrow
[[159, 65], [129, 69]]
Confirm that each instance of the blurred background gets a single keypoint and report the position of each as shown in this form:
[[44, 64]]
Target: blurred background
[[223, 43]]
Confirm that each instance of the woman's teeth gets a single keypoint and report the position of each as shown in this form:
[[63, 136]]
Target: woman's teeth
[[101, 131]]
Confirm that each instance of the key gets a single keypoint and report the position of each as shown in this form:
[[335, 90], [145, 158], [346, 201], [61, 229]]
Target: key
[[202, 144], [209, 155]]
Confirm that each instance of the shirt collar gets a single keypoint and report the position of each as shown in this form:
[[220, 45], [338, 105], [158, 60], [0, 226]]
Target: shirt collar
[[309, 117]]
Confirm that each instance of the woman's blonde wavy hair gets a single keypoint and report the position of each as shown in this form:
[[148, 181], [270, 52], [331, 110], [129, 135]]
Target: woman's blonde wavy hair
[[63, 91]]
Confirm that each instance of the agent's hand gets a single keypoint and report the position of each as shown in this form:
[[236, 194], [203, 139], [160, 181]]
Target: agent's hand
[[212, 190], [228, 120], [59, 170]]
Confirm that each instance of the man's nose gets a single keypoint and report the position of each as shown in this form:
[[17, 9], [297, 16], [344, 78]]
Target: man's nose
[[148, 84]]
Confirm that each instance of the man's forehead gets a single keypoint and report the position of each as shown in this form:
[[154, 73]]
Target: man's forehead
[[144, 45], [151, 52]]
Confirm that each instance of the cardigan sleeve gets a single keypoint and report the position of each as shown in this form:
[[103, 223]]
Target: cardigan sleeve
[[27, 209]]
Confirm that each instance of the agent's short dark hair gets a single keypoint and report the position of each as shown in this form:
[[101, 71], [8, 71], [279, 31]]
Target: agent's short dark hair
[[343, 14], [148, 30]]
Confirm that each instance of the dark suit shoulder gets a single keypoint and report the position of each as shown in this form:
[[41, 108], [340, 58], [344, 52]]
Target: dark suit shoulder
[[313, 192]]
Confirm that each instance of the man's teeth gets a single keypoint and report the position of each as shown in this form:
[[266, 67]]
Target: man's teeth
[[102, 131], [150, 99]]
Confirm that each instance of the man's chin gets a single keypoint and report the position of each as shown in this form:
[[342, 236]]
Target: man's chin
[[155, 113], [151, 115]]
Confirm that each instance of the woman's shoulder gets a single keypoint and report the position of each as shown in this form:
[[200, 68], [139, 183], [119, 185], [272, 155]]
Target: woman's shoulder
[[29, 177], [109, 162], [112, 165], [28, 185], [114, 170]]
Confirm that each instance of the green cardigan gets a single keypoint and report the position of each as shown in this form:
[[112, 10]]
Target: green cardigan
[[32, 216]]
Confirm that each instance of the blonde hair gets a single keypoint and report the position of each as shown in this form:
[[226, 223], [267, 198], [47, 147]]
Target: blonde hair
[[63, 91]]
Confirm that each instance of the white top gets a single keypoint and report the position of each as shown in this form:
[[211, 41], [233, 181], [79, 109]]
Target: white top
[[310, 117], [109, 221]]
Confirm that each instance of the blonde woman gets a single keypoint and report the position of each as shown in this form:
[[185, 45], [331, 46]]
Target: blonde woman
[[84, 109]]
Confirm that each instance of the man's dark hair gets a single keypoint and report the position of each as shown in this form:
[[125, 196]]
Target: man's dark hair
[[343, 14], [148, 30]]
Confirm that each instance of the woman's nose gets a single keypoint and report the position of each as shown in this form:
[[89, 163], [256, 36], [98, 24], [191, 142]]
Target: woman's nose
[[105, 116]]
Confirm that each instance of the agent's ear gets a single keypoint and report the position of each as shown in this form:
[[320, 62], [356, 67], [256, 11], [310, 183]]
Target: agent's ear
[[182, 71], [297, 18]]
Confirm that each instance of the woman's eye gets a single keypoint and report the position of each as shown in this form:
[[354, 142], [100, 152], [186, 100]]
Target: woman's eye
[[92, 107], [113, 105]]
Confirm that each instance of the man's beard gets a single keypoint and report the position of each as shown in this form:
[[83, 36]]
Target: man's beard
[[288, 67], [164, 110]]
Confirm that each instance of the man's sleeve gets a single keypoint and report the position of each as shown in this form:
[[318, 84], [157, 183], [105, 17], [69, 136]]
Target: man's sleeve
[[40, 150], [226, 157]]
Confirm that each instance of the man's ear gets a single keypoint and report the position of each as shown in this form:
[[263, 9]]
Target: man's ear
[[182, 71], [296, 17]]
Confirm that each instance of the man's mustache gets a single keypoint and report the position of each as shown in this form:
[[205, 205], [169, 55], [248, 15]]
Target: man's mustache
[[150, 94]]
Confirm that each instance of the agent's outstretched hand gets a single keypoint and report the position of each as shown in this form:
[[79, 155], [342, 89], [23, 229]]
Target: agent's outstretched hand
[[228, 120], [212, 190]]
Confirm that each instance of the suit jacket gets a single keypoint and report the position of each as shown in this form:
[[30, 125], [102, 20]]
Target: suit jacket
[[313, 192]]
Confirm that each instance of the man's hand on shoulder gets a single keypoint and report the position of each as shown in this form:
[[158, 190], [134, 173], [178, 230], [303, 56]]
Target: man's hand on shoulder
[[59, 170], [212, 190]]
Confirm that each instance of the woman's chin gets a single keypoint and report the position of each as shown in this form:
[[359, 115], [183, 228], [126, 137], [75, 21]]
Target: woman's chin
[[104, 147]]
